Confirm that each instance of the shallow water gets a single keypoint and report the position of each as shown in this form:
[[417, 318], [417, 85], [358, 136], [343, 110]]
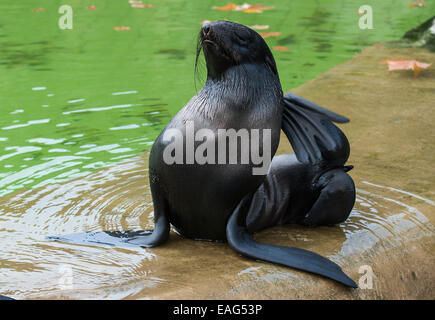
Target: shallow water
[[73, 102]]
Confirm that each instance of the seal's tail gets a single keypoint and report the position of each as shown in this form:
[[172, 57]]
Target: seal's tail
[[240, 240], [312, 133]]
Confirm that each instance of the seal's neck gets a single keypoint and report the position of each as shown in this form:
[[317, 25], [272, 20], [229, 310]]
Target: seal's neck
[[247, 81], [251, 88], [243, 86]]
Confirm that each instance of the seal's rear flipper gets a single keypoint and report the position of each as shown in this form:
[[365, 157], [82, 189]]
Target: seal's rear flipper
[[313, 136], [240, 240]]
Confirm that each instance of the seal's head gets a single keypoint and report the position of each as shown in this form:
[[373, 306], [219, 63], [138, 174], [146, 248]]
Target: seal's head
[[227, 44]]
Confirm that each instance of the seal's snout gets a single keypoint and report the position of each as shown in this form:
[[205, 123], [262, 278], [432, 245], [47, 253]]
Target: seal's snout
[[206, 29]]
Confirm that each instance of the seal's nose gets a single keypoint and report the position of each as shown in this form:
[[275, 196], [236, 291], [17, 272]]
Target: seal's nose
[[206, 29]]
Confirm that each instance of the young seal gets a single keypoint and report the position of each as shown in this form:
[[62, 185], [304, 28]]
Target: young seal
[[220, 200]]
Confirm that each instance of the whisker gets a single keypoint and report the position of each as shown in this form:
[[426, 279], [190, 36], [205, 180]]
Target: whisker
[[199, 48]]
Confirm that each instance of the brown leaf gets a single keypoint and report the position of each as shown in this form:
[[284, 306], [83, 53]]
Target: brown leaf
[[246, 7], [122, 28], [270, 34], [280, 48], [228, 7], [256, 8]]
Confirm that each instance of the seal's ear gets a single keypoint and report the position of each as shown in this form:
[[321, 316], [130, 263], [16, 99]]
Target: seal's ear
[[272, 65]]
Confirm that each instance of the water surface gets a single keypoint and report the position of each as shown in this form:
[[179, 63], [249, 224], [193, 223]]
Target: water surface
[[73, 101]]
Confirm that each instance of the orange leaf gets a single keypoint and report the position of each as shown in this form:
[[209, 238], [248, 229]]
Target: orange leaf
[[39, 10], [256, 8], [228, 7], [121, 28], [140, 5], [270, 34], [92, 7], [252, 10], [246, 7], [279, 48]]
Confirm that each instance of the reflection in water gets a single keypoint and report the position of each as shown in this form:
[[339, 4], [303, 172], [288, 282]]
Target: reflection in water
[[118, 198], [69, 153], [378, 220]]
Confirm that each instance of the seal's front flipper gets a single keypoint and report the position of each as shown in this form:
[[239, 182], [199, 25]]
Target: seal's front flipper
[[313, 136], [101, 238], [240, 240], [161, 222], [142, 238]]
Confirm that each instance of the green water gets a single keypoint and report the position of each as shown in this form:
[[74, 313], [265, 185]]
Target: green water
[[72, 101]]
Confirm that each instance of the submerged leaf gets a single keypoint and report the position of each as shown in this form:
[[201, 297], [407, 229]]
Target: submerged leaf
[[228, 7], [258, 27], [246, 7], [281, 48], [141, 5], [270, 34], [256, 8], [122, 28]]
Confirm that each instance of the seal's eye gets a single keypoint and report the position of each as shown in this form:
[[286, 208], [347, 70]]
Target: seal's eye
[[241, 39]]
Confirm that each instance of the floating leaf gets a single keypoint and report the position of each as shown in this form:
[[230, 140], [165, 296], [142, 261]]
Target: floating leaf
[[258, 27], [270, 34], [401, 64], [246, 7], [416, 4], [121, 28], [92, 7], [281, 48], [256, 8], [228, 7], [141, 5]]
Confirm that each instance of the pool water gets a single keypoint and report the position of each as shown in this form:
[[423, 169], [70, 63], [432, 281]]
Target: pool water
[[73, 101]]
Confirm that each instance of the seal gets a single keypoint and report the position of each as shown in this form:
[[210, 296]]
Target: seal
[[223, 200]]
